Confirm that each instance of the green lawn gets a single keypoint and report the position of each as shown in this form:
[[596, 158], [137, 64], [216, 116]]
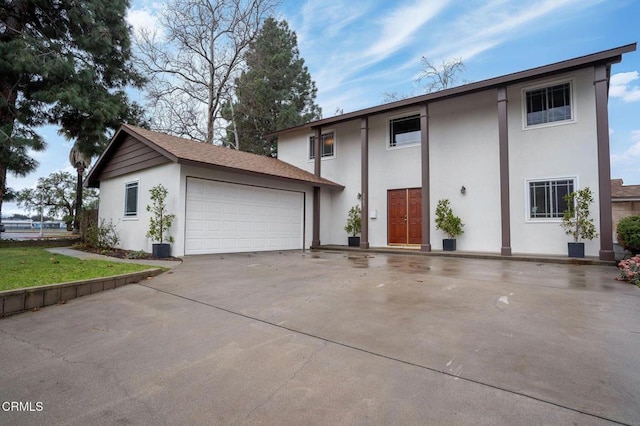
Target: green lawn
[[30, 267]]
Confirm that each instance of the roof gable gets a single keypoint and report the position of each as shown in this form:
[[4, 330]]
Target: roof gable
[[134, 148], [131, 155]]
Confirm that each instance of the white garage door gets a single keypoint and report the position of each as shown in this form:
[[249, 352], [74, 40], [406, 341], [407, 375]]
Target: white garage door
[[226, 217]]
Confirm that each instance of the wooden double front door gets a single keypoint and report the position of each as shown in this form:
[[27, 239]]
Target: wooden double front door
[[404, 216]]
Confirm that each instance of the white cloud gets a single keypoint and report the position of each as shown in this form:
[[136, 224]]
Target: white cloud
[[400, 25], [632, 154], [327, 19], [621, 86], [623, 78], [493, 23], [143, 20]]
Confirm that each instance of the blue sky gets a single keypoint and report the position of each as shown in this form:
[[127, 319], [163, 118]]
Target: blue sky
[[357, 51]]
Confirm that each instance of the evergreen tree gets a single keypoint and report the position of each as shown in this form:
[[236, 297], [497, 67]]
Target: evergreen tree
[[273, 93], [66, 63]]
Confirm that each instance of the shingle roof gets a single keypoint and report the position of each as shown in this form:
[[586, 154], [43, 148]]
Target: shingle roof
[[180, 150], [621, 191]]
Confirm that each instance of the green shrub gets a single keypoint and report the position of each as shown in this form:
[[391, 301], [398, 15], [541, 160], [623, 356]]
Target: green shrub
[[446, 221], [354, 219], [160, 221], [628, 231], [103, 236], [577, 221]]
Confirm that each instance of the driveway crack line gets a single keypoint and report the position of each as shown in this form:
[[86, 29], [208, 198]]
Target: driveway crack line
[[387, 357], [293, 376]]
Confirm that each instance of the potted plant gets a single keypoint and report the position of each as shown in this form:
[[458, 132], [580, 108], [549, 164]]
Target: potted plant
[[160, 222], [577, 222], [448, 223], [354, 224]]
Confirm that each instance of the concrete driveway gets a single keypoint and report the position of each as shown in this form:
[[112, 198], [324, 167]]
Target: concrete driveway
[[333, 338]]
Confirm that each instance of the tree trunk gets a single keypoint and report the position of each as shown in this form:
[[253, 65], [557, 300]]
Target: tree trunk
[[210, 105], [235, 128], [76, 216]]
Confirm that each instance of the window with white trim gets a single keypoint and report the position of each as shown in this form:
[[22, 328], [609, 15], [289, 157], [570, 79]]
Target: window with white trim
[[549, 104], [404, 131], [546, 197], [328, 148], [131, 199]]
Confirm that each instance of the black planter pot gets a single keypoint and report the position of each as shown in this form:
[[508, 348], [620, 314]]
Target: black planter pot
[[449, 244], [161, 251], [576, 249], [354, 241]]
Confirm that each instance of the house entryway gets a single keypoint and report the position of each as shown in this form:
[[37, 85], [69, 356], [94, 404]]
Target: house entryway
[[404, 216]]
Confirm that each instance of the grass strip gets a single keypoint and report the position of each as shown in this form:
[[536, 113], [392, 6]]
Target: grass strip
[[32, 267]]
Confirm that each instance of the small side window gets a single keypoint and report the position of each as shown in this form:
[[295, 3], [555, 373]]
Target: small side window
[[328, 145], [131, 199], [404, 131]]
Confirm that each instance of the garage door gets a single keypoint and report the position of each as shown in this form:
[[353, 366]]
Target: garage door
[[226, 217]]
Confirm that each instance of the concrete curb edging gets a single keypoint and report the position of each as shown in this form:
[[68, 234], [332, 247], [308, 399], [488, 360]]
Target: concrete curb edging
[[563, 260], [25, 299]]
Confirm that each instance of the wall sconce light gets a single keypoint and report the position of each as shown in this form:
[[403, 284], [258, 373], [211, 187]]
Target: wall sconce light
[[463, 190]]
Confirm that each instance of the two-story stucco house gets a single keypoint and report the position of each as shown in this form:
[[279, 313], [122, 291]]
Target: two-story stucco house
[[504, 151]]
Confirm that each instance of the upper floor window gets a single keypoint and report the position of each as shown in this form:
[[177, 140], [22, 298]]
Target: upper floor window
[[131, 199], [546, 197], [404, 131], [328, 148], [549, 104]]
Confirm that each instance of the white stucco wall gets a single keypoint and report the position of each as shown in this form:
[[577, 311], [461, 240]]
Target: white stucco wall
[[464, 151], [133, 230], [343, 167], [562, 150]]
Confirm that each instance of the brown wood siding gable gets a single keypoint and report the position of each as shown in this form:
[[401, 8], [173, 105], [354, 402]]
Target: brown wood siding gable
[[132, 156]]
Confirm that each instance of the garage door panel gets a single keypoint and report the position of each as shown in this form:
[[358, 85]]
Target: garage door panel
[[225, 217], [212, 208]]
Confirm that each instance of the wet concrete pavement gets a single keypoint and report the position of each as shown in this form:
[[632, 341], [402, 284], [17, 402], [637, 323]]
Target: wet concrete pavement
[[335, 338]]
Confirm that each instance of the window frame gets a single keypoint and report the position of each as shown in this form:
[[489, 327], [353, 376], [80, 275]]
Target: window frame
[[527, 198], [127, 186], [393, 118], [548, 85], [311, 157]]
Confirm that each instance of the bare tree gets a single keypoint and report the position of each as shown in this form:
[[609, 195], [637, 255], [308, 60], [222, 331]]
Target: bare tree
[[192, 63], [394, 96], [441, 77]]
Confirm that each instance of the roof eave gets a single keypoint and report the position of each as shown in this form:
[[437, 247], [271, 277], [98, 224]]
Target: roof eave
[[328, 184], [607, 57]]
